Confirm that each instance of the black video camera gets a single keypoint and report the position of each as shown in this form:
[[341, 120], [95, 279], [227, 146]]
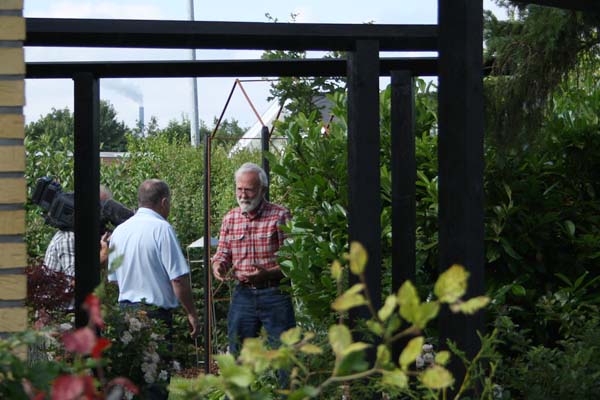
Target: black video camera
[[60, 206]]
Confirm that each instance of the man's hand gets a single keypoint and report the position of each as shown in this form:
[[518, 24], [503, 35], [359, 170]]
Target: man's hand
[[194, 325], [104, 248], [219, 271]]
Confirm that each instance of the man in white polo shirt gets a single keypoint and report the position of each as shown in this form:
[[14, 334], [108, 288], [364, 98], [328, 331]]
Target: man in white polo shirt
[[146, 260]]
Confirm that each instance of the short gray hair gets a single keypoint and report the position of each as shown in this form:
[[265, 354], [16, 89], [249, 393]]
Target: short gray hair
[[151, 192], [251, 167]]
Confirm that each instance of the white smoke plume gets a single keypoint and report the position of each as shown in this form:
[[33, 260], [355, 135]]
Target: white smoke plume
[[125, 88]]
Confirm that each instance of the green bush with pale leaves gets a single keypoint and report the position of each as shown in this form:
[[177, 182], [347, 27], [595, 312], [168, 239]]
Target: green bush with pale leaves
[[403, 315]]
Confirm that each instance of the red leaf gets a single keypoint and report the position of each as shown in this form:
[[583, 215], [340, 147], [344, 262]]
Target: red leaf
[[90, 388], [68, 387], [101, 344], [126, 383], [82, 341], [92, 305]]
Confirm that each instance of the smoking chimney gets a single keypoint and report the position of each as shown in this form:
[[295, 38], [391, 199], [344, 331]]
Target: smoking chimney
[[141, 120]]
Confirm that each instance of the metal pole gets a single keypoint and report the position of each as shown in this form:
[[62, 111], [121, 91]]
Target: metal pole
[[206, 259], [195, 122]]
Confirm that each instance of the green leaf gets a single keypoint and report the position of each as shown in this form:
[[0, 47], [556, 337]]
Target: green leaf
[[348, 301], [339, 338], [383, 356], [437, 377], [358, 258], [411, 352], [518, 290], [357, 346], [408, 299], [375, 327], [291, 336], [442, 357], [470, 306], [310, 349], [388, 308], [426, 312], [336, 270], [452, 284], [570, 227], [395, 378]]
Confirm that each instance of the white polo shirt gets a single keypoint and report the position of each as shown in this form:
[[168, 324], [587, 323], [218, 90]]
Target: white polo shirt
[[151, 258]]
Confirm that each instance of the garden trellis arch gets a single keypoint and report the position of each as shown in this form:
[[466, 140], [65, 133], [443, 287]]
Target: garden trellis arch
[[457, 38]]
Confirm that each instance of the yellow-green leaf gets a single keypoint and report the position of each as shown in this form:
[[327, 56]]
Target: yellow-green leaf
[[375, 327], [356, 288], [395, 378], [358, 346], [388, 308], [411, 351], [339, 338], [437, 377], [348, 301], [470, 306], [442, 357], [427, 311], [452, 284], [358, 258], [408, 299], [383, 356], [291, 336], [336, 270], [310, 349]]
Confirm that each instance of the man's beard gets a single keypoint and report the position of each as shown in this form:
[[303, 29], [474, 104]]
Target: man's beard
[[248, 205]]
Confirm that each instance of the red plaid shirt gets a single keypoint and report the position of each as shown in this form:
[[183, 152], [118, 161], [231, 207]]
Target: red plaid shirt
[[249, 241]]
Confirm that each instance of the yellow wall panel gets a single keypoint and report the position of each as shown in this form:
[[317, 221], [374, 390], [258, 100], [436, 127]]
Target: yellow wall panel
[[12, 93], [12, 28], [12, 222], [12, 159], [12, 190], [13, 287], [13, 62], [12, 126], [13, 255], [13, 319], [11, 5]]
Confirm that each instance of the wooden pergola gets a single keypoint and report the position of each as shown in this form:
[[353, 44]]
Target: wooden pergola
[[457, 38]]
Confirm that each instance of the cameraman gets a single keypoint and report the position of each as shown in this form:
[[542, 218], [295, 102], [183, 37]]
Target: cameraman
[[60, 254]]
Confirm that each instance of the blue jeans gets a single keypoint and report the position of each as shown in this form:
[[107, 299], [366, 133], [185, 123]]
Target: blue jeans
[[252, 309]]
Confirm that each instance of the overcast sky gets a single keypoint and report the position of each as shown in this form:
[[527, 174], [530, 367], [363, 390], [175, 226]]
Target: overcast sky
[[168, 99]]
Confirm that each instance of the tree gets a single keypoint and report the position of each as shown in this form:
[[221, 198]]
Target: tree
[[533, 51], [59, 124]]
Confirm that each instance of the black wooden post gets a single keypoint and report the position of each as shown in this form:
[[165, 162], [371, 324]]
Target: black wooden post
[[461, 234], [87, 190], [264, 146], [206, 259], [404, 175], [364, 200]]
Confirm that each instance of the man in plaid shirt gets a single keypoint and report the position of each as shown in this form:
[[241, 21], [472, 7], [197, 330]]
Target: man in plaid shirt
[[249, 239]]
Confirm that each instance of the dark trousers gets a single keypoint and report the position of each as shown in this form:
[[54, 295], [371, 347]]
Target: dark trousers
[[252, 309]]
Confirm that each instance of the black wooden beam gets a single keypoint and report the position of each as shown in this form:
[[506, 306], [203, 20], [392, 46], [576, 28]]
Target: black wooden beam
[[364, 199], [224, 35], [404, 176], [87, 190], [577, 5], [460, 155], [423, 66]]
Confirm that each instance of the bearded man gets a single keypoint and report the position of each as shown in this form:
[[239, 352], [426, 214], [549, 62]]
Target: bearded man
[[249, 239]]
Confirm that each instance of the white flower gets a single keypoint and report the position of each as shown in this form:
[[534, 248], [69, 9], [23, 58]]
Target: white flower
[[155, 336], [163, 375], [148, 377], [428, 358], [134, 324], [128, 395], [427, 348], [126, 338], [65, 327], [176, 366], [420, 362]]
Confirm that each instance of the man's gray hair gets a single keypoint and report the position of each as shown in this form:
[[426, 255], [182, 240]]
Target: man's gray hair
[[151, 192], [251, 167]]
